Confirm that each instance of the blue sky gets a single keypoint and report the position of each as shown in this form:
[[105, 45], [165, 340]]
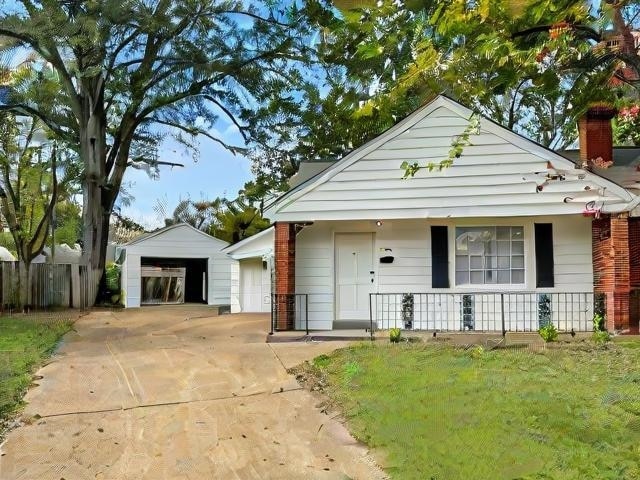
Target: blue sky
[[214, 172]]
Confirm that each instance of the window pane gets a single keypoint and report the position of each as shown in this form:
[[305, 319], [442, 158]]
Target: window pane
[[517, 248], [490, 262], [503, 276], [503, 233], [489, 255], [462, 278], [517, 233], [504, 248], [461, 241], [517, 276], [476, 247], [476, 262], [462, 263], [477, 278]]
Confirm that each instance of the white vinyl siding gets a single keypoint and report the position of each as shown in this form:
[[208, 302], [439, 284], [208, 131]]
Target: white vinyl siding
[[409, 242], [496, 176]]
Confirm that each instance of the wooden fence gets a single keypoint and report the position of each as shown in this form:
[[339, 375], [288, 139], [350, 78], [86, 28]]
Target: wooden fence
[[61, 285]]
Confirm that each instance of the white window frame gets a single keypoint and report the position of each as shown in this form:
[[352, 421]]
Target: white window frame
[[492, 286]]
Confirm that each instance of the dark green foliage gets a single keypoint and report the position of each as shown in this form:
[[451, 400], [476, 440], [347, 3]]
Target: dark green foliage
[[112, 277], [548, 332], [395, 334]]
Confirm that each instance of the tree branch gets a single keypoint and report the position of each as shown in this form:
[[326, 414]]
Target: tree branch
[[40, 236], [229, 114], [21, 108], [196, 131], [255, 16]]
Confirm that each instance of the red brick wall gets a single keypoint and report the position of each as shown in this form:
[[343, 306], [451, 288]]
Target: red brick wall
[[611, 268], [285, 273], [634, 274], [602, 265], [596, 137], [634, 252]]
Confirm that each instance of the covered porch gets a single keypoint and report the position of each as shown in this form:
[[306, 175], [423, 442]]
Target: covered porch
[[516, 275]]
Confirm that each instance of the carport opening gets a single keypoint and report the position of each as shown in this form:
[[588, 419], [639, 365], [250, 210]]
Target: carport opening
[[174, 280]]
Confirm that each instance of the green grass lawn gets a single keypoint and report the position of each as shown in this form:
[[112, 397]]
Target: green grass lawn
[[435, 412], [24, 344]]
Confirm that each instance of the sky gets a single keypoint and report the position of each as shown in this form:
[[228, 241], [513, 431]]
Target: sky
[[215, 172]]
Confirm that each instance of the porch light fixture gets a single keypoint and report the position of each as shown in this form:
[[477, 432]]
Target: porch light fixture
[[378, 223]]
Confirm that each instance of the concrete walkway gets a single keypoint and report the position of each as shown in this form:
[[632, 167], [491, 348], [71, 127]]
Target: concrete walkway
[[178, 393]]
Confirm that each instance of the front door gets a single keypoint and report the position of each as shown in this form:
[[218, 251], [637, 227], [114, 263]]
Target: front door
[[355, 277]]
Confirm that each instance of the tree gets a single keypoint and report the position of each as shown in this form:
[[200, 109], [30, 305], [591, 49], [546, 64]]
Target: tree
[[29, 190], [229, 220], [124, 68], [199, 214], [239, 220], [533, 66]]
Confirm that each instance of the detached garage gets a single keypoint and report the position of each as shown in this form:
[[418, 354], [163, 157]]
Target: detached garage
[[174, 265]]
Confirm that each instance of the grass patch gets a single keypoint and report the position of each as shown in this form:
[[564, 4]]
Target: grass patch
[[25, 342], [436, 412]]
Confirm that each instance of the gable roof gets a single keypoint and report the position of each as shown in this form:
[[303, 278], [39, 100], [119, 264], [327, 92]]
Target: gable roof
[[500, 174], [162, 231], [256, 245]]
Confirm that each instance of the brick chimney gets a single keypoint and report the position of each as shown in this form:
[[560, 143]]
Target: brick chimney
[[596, 135]]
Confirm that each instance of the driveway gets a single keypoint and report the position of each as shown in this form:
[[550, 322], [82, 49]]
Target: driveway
[[178, 393]]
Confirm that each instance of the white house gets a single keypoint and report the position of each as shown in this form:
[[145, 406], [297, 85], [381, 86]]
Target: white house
[[251, 272], [511, 236], [176, 264]]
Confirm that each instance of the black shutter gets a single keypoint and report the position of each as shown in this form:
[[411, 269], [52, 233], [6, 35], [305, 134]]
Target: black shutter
[[544, 254], [439, 257]]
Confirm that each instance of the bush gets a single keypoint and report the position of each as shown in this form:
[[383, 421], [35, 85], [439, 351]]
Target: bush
[[112, 277], [395, 335], [600, 337], [548, 333]]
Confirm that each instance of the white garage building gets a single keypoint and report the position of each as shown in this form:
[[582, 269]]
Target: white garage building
[[173, 265], [251, 272]]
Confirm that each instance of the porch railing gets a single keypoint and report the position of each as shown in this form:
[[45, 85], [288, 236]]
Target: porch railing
[[289, 311], [485, 311]]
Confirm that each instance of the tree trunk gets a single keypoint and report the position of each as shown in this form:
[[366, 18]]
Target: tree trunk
[[24, 285], [93, 152]]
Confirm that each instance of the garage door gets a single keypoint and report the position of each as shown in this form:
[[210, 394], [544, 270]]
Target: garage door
[[251, 294]]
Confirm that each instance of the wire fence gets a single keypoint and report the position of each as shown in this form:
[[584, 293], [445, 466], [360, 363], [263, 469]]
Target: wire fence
[[485, 312], [289, 311]]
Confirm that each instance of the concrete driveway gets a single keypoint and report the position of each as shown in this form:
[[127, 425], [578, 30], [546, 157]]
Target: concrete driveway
[[178, 393]]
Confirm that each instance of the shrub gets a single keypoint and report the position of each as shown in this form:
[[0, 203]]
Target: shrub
[[394, 335], [112, 277], [600, 337], [598, 323], [548, 333]]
